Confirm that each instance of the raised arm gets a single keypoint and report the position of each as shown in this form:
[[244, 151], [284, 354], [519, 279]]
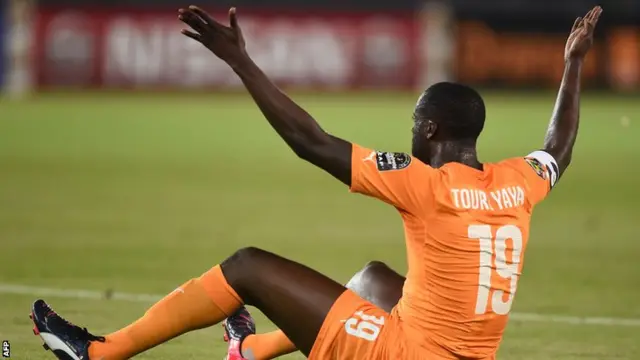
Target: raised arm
[[298, 129], [563, 129]]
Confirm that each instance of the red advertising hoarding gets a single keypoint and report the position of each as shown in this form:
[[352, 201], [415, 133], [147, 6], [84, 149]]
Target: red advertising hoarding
[[140, 49]]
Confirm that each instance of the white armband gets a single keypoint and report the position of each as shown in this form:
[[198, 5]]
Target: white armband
[[544, 165]]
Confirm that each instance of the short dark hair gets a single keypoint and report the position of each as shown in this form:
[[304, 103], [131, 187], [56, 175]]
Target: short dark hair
[[457, 109]]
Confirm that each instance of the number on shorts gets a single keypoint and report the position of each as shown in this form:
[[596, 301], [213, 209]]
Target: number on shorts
[[504, 269], [364, 326]]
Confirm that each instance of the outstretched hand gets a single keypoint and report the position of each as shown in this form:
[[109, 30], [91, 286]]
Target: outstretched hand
[[581, 37], [226, 42]]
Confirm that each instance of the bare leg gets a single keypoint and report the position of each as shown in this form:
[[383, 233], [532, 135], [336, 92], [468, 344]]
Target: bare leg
[[284, 290], [376, 283]]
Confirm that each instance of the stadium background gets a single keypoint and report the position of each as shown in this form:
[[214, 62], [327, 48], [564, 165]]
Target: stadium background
[[130, 161]]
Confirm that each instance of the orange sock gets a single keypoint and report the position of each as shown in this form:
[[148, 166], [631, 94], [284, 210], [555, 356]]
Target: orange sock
[[267, 346], [197, 304]]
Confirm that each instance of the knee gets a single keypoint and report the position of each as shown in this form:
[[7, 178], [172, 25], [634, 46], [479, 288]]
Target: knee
[[238, 267], [360, 281], [244, 258], [374, 266], [379, 284]]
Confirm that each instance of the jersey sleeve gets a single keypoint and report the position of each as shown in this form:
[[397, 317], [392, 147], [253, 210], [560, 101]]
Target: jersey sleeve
[[395, 178], [541, 173]]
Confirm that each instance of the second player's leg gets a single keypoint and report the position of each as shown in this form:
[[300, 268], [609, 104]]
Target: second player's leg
[[378, 284]]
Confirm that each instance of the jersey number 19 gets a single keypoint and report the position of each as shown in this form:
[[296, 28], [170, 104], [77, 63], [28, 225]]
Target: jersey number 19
[[507, 270]]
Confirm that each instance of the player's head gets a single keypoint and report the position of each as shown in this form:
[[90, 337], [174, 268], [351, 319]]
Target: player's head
[[447, 112]]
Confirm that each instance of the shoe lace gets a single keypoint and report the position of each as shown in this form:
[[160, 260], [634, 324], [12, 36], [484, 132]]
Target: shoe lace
[[91, 336], [77, 331]]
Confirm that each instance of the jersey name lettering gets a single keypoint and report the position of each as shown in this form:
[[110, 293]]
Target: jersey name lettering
[[474, 199]]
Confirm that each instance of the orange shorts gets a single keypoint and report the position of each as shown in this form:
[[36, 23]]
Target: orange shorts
[[356, 329]]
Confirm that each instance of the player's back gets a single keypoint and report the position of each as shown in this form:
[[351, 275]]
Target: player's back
[[466, 232], [465, 264]]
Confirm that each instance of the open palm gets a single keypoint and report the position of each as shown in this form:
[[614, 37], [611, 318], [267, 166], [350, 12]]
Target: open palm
[[581, 37]]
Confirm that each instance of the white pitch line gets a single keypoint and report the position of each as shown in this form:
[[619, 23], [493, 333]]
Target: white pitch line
[[575, 320], [76, 294], [149, 298]]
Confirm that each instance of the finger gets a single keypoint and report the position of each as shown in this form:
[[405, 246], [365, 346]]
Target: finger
[[204, 16], [233, 18], [193, 20], [576, 24], [594, 14], [587, 18], [596, 17], [191, 34], [584, 33], [593, 18], [233, 21]]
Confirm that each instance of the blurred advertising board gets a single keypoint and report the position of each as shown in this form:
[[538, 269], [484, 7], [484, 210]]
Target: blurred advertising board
[[520, 58], [139, 49], [623, 67], [509, 58]]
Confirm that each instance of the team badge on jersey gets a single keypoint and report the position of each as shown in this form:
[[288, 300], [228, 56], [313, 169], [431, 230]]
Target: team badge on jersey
[[537, 166], [544, 165], [386, 161]]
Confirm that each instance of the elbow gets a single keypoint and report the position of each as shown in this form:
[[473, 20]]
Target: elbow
[[305, 146], [302, 151]]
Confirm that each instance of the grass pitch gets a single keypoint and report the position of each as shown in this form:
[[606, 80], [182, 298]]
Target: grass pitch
[[138, 192]]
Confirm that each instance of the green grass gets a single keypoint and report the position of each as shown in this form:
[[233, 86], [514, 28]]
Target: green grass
[[138, 193]]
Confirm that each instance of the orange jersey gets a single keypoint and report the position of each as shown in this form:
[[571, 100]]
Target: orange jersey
[[466, 234]]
